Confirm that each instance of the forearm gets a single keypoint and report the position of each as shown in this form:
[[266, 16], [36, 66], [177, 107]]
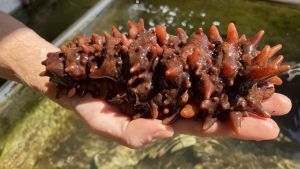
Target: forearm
[[21, 54]]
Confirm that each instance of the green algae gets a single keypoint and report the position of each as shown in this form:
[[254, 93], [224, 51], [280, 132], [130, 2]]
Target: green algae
[[193, 152], [41, 125], [36, 133], [16, 106]]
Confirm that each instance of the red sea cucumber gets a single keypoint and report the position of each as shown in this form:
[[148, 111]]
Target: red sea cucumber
[[152, 74]]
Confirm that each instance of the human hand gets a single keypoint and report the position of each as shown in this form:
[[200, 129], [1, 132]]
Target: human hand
[[252, 127], [16, 39], [107, 120]]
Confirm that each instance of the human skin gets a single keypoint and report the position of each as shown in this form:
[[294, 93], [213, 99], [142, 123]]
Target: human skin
[[21, 54]]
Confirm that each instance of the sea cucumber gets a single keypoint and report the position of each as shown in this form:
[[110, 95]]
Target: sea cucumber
[[153, 74]]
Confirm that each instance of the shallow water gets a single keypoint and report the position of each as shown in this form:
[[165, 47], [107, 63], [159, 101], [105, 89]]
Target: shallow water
[[49, 18], [47, 136]]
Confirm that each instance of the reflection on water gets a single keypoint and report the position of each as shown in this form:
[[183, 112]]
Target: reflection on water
[[293, 72], [66, 143], [281, 22]]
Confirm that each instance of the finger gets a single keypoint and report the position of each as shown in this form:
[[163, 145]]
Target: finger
[[258, 129], [141, 131], [277, 105], [252, 129]]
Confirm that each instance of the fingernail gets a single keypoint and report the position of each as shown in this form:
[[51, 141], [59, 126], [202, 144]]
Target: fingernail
[[285, 103]]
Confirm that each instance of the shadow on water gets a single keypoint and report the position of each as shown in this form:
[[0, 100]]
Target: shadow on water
[[79, 148], [290, 123]]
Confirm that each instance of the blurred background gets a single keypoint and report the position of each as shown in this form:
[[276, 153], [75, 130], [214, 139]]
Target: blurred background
[[35, 133]]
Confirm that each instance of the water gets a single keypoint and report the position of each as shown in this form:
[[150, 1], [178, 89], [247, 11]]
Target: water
[[49, 18], [46, 136]]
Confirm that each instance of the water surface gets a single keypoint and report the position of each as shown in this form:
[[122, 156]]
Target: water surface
[[58, 139]]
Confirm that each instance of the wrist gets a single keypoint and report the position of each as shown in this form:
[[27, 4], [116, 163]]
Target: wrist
[[25, 51], [21, 54]]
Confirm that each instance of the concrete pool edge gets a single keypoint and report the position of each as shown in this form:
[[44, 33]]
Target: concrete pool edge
[[8, 88], [85, 19], [296, 2]]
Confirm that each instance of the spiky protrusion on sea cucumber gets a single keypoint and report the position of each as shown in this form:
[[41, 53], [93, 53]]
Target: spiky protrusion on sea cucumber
[[152, 74]]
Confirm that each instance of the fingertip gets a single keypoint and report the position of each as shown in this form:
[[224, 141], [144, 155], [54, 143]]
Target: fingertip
[[278, 104], [285, 102], [258, 129]]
